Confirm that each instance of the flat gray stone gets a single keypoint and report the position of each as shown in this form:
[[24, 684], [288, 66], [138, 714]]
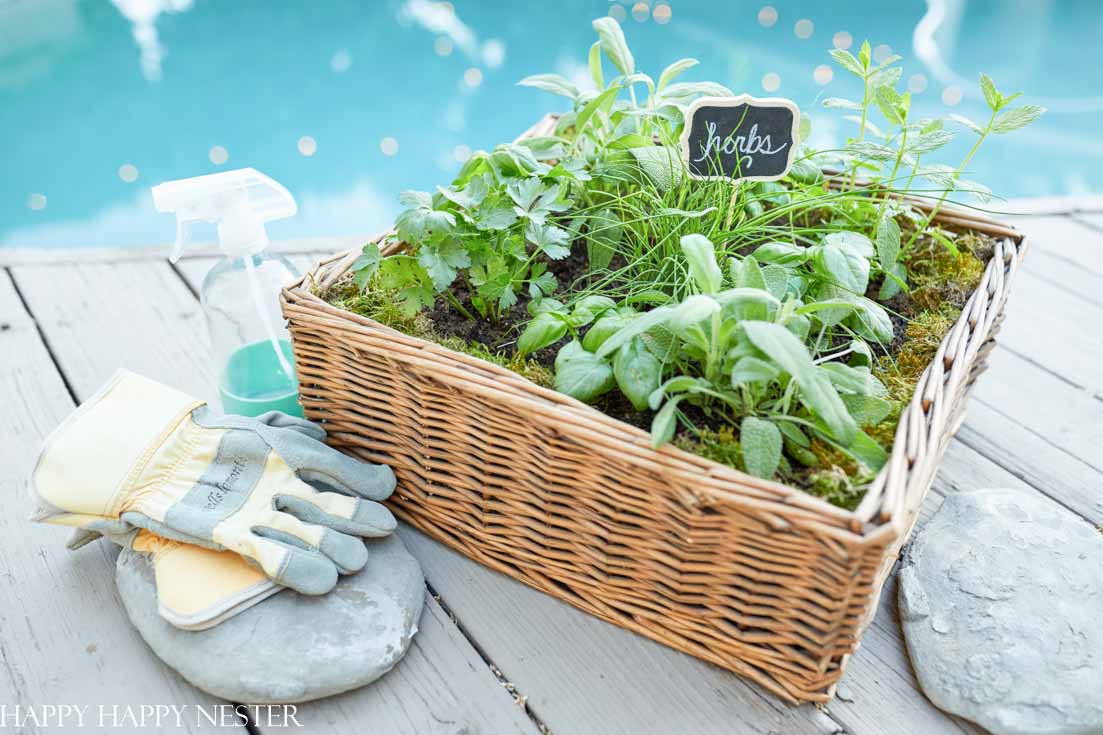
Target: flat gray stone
[[290, 647], [1001, 599]]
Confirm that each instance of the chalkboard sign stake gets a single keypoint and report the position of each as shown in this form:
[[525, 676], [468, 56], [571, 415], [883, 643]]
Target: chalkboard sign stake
[[740, 138], [731, 205]]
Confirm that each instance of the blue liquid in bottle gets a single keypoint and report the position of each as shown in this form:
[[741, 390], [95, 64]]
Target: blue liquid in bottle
[[254, 382]]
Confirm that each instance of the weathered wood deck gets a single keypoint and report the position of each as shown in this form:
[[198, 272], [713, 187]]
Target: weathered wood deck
[[494, 656]]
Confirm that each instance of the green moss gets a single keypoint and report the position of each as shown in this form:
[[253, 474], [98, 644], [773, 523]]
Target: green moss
[[835, 486], [384, 309], [719, 445], [938, 276], [901, 372], [529, 369], [375, 305]]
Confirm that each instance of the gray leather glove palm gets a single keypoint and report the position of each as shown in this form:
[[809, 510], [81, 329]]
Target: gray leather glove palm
[[141, 454]]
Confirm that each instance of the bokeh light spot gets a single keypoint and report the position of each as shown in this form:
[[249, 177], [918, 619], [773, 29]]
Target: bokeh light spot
[[218, 155], [307, 146], [340, 61], [767, 16], [494, 53], [442, 46], [823, 74], [389, 146], [128, 172], [771, 81], [804, 28]]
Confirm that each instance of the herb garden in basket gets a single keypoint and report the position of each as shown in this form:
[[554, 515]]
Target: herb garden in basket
[[705, 409]]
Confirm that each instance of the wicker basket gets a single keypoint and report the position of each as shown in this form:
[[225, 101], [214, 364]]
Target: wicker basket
[[757, 577]]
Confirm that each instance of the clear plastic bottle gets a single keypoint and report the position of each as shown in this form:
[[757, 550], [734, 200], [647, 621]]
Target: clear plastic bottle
[[240, 295], [253, 378]]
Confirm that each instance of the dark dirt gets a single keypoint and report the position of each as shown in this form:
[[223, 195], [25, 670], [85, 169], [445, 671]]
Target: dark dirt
[[572, 273], [502, 335], [900, 308]]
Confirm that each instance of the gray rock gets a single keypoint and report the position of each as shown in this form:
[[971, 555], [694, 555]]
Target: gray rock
[[291, 647], [1001, 599]]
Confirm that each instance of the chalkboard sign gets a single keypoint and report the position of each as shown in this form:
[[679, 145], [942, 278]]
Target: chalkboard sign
[[740, 138]]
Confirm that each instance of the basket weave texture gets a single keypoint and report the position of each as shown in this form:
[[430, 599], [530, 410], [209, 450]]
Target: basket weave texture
[[757, 577]]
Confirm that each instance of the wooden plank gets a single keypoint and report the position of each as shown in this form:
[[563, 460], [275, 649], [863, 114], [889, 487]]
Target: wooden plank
[[584, 675], [1093, 220], [194, 270], [99, 317], [1049, 262], [1056, 329], [1049, 205], [1063, 274], [141, 315], [1065, 238], [1057, 413], [1032, 458], [441, 686], [47, 256], [64, 636]]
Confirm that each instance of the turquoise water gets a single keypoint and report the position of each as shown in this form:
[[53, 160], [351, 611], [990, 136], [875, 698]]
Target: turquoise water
[[349, 102]]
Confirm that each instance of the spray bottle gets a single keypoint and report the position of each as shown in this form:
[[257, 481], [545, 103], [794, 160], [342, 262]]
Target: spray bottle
[[240, 295]]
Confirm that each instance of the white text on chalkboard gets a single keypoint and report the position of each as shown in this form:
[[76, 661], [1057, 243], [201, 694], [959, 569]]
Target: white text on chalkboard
[[748, 145]]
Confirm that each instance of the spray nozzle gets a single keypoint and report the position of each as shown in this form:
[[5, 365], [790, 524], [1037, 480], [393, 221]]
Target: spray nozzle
[[238, 201]]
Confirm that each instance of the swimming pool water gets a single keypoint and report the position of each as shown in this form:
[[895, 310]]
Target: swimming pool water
[[348, 103]]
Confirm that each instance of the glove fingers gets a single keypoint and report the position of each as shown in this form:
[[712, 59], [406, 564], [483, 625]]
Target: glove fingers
[[329, 467], [287, 563], [340, 512], [280, 420], [348, 553]]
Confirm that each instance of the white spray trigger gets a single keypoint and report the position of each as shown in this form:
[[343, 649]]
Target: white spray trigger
[[240, 202]]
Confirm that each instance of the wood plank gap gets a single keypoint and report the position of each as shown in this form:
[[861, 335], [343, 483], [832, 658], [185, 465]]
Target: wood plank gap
[[1090, 223], [500, 675], [187, 284], [42, 336], [60, 256], [1051, 205], [1068, 381], [1021, 476], [1033, 273], [1042, 437], [250, 726]]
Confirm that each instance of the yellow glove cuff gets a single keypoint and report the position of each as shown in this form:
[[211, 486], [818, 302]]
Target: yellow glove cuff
[[78, 471]]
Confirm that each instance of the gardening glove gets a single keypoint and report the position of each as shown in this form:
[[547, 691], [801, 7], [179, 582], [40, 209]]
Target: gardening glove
[[197, 588], [140, 454]]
